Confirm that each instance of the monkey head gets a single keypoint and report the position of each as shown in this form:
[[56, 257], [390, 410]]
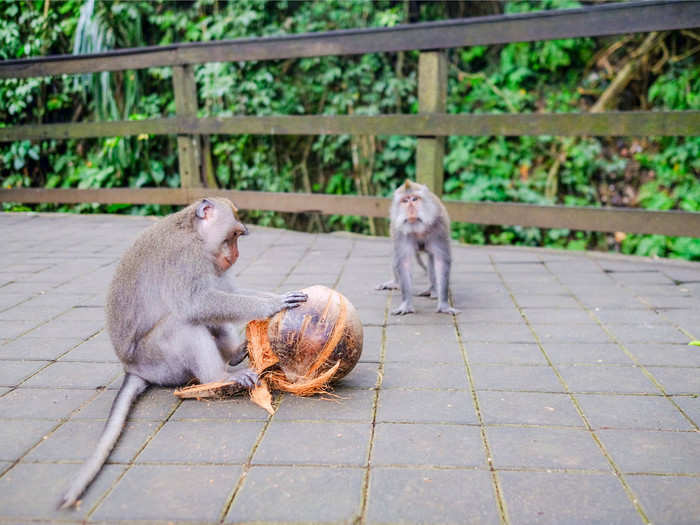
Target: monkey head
[[414, 208], [218, 225]]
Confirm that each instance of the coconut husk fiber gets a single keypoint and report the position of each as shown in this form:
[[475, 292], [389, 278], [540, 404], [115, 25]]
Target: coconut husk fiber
[[299, 350]]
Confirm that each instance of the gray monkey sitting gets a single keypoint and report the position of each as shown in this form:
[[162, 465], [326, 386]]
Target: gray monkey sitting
[[419, 223], [171, 310]]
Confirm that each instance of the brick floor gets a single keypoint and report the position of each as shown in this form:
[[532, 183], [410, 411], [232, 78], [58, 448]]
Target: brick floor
[[565, 392]]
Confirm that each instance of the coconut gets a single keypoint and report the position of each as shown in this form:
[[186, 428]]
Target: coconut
[[300, 350]]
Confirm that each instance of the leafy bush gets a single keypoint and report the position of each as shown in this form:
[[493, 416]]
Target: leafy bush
[[565, 75]]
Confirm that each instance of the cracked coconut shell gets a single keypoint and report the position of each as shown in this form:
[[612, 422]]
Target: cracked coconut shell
[[299, 350]]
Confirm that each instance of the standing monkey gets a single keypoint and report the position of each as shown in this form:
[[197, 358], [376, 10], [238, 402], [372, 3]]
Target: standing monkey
[[171, 310], [419, 223]]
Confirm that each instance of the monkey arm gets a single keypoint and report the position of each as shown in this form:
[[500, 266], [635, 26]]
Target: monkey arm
[[215, 306], [404, 251]]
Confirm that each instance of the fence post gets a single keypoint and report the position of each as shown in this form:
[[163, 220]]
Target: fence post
[[189, 148], [432, 97]]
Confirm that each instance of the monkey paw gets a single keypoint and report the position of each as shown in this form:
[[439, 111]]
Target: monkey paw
[[428, 293], [389, 285], [447, 309], [247, 378], [403, 309], [294, 299]]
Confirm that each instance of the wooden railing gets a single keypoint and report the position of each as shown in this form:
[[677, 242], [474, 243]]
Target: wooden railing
[[431, 125]]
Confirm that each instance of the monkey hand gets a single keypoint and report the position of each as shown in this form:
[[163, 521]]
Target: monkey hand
[[247, 378], [283, 302], [403, 309], [293, 299], [446, 309]]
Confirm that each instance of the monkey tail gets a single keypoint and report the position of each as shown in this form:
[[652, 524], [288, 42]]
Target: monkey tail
[[131, 388], [421, 263]]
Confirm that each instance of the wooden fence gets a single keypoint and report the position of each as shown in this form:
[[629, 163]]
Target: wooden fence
[[431, 125]]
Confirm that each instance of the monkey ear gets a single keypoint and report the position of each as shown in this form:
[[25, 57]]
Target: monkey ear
[[204, 209]]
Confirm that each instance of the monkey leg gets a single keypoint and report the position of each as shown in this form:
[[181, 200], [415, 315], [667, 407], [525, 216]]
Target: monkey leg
[[175, 351], [442, 278], [206, 362], [231, 345]]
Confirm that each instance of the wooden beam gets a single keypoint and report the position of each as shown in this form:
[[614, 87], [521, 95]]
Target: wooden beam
[[675, 223], [618, 18], [432, 99], [245, 200], [97, 195], [189, 147], [615, 123]]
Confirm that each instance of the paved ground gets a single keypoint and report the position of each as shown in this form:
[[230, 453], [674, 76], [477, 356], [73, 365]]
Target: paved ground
[[565, 392]]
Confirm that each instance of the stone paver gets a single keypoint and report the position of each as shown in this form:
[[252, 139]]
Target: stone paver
[[570, 498], [431, 496], [170, 493], [670, 499], [314, 442], [544, 448], [174, 443], [565, 392], [309, 494], [428, 445]]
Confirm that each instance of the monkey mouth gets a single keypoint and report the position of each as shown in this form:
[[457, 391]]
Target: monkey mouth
[[413, 220]]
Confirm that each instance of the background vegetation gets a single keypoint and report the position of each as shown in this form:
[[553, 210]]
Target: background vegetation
[[656, 71]]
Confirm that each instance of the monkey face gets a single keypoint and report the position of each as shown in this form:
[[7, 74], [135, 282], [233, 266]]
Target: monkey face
[[228, 254], [411, 205], [228, 250], [218, 225], [414, 210], [409, 213]]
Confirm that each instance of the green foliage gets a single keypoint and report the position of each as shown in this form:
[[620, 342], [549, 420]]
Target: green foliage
[[528, 77]]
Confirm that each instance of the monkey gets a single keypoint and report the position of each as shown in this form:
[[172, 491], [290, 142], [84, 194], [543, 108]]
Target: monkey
[[419, 223], [172, 310]]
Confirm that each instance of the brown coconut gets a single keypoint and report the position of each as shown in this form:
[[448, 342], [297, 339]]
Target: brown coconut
[[299, 350]]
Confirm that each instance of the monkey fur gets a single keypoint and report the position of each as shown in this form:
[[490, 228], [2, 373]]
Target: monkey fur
[[172, 310], [419, 223]]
